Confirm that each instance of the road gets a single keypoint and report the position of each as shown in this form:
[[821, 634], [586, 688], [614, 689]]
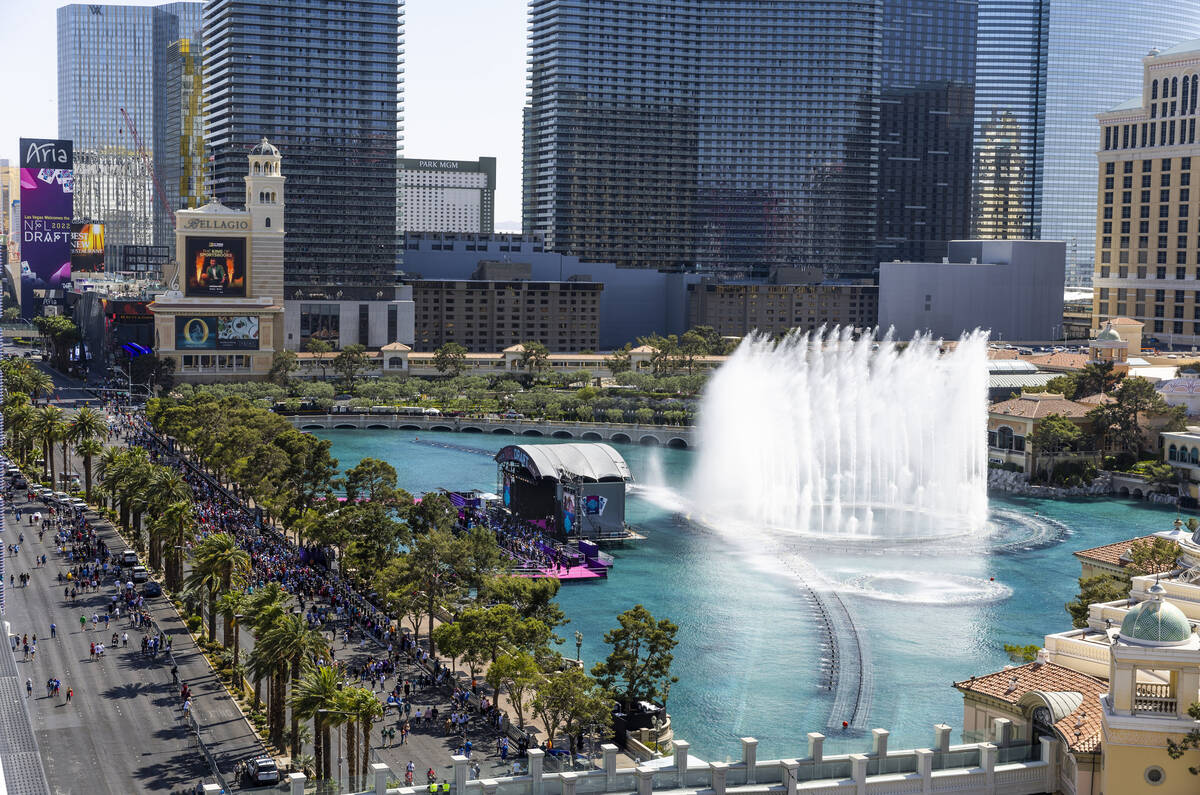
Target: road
[[123, 731]]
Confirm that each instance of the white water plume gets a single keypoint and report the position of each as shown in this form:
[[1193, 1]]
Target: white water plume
[[825, 435]]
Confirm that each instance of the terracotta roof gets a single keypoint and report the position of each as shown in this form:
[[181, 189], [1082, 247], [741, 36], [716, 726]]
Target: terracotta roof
[[1051, 678], [1112, 554], [1001, 353], [1126, 321], [1038, 405], [1098, 399], [1061, 361]]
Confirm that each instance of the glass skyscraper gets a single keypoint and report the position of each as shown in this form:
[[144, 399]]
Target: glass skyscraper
[[725, 135], [927, 108], [113, 57], [322, 80], [1045, 69]]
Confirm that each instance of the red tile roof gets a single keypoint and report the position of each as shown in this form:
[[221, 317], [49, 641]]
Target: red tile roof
[[1050, 678], [1112, 553], [1060, 361], [1038, 405]]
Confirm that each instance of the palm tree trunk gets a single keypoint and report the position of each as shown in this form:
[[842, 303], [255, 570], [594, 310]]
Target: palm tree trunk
[[366, 749], [325, 748], [226, 584], [351, 754], [277, 714], [317, 745], [295, 718], [87, 478], [49, 451], [212, 614], [66, 461], [257, 692]]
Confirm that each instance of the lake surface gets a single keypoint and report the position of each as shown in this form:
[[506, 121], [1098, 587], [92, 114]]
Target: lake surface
[[749, 651]]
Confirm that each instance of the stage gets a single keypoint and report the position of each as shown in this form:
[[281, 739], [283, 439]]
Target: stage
[[571, 574]]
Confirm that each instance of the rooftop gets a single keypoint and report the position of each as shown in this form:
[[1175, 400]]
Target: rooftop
[[1062, 360], [1054, 683], [1036, 406], [1117, 554], [1182, 48]]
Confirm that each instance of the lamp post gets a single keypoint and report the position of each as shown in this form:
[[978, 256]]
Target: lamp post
[[338, 731], [578, 646]]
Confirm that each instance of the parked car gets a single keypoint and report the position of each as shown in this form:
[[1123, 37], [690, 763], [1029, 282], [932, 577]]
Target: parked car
[[140, 574], [151, 589], [129, 558], [260, 770]]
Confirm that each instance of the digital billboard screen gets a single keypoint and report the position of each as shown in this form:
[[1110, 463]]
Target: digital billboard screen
[[216, 333], [47, 204], [87, 248], [216, 266]]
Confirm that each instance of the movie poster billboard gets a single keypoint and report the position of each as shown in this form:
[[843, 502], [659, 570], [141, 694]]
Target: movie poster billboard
[[47, 204], [216, 333], [87, 248], [216, 266]]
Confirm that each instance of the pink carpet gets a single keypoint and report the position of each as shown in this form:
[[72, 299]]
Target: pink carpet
[[573, 573]]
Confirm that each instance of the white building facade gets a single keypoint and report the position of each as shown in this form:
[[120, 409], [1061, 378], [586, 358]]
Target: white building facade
[[448, 195]]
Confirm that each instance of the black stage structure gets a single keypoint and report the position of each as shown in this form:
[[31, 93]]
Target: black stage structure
[[572, 490]]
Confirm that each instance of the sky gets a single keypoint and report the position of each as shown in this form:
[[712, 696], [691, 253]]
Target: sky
[[464, 83]]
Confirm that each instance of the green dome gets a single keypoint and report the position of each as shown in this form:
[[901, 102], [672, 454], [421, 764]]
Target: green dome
[[1156, 621], [1108, 334]]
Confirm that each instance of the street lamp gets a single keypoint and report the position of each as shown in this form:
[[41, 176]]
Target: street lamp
[[578, 645]]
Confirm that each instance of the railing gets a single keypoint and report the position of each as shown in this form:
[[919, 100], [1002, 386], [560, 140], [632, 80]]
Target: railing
[[1154, 698]]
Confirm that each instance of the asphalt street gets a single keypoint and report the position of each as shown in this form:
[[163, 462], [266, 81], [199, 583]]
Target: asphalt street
[[123, 731]]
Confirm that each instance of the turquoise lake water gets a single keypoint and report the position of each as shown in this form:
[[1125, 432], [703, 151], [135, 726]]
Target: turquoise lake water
[[749, 648]]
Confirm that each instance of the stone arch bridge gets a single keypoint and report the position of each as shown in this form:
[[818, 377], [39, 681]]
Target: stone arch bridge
[[677, 436]]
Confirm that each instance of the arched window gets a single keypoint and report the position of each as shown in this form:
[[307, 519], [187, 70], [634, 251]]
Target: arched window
[[1154, 89], [272, 197], [1172, 453], [1174, 86], [257, 168], [1195, 455], [1184, 103], [395, 363], [268, 223], [1004, 438]]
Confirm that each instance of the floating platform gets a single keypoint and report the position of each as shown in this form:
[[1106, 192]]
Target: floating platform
[[572, 574]]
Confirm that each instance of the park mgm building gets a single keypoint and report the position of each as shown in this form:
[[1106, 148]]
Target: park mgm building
[[1147, 224], [221, 318]]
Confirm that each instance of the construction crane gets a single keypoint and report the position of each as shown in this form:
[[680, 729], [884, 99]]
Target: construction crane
[[149, 167]]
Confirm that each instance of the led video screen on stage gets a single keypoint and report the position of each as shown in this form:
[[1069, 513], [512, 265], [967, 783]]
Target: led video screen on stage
[[216, 267]]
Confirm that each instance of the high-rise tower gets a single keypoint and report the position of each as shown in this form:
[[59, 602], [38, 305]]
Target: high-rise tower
[[321, 79]]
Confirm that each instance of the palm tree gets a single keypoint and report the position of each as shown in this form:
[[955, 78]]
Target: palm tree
[[107, 469], [267, 662], [362, 703], [292, 640], [314, 695], [266, 606], [18, 422], [204, 583], [219, 555], [88, 424], [165, 487], [231, 606], [89, 449], [171, 531], [47, 426], [38, 384]]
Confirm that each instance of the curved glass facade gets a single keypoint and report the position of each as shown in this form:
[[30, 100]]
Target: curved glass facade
[[1094, 63], [1045, 69]]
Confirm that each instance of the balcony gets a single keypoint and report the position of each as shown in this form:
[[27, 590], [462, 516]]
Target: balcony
[[1154, 699]]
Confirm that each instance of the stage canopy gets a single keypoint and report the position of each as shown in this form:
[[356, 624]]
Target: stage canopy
[[589, 461]]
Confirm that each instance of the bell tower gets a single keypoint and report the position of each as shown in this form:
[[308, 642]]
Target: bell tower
[[264, 202]]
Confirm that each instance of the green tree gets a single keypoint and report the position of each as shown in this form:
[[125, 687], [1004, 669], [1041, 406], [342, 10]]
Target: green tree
[[639, 666], [1153, 556], [90, 449], [570, 700], [172, 530], [1054, 435], [1096, 377], [1023, 654], [350, 363], [292, 642], [535, 357], [218, 562], [619, 362], [517, 673], [283, 364], [430, 569], [315, 694], [374, 480], [450, 359], [1066, 385], [1176, 750], [61, 334], [48, 426], [320, 349], [1093, 590]]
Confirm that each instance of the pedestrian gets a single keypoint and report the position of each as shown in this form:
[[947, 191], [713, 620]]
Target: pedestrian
[[28, 688], [70, 693], [53, 631]]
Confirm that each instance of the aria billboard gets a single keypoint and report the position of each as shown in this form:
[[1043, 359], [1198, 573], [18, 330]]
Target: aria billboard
[[216, 333], [216, 267], [87, 248], [47, 204]]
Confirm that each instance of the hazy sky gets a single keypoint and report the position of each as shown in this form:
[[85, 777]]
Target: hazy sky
[[464, 83]]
